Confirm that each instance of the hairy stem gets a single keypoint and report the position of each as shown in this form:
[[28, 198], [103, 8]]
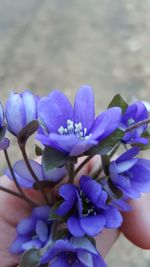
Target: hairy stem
[[16, 182], [71, 173], [138, 124], [33, 173], [83, 164], [11, 192]]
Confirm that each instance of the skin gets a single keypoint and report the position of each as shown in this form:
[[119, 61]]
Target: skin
[[135, 226]]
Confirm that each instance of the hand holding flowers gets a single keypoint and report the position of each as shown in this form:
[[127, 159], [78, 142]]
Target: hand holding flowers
[[74, 213]]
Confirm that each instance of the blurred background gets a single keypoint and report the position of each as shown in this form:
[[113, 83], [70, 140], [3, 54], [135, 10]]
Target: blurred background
[[46, 45]]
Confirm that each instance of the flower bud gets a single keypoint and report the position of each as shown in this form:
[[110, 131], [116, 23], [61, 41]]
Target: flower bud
[[20, 110], [1, 115]]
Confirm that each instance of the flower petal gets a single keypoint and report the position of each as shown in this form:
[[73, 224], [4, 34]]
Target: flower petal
[[99, 261], [26, 226], [41, 212], [86, 258], [54, 175], [61, 260], [113, 171], [83, 243], [64, 142], [30, 105], [126, 165], [16, 247], [23, 175], [1, 115], [68, 192], [91, 188], [84, 110], [36, 243], [113, 218], [106, 123], [82, 146], [55, 110], [42, 231], [74, 226], [121, 205], [15, 113], [129, 154], [92, 225]]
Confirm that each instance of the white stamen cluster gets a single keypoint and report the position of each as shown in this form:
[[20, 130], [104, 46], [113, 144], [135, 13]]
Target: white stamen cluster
[[74, 128], [131, 121]]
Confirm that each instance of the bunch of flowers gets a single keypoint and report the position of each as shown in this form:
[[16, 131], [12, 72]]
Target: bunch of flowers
[[61, 231]]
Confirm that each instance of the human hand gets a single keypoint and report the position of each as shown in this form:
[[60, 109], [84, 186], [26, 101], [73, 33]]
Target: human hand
[[135, 226]]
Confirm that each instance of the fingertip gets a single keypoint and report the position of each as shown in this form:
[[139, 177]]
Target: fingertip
[[136, 224]]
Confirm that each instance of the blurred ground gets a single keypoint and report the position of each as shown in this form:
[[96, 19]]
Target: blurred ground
[[64, 44]]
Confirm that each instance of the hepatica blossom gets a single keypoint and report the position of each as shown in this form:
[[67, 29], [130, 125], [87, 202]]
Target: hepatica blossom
[[90, 212], [33, 231], [74, 206], [130, 174], [74, 130], [133, 114], [25, 179], [74, 252]]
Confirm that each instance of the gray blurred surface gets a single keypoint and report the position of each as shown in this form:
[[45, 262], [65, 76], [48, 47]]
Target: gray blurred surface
[[46, 45]]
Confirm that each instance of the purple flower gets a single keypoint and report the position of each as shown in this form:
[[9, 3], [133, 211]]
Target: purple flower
[[4, 142], [20, 110], [2, 117], [74, 131], [131, 175], [26, 180], [32, 232], [133, 114], [74, 252], [88, 208]]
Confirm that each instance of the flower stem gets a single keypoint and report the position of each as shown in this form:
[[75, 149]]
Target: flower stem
[[138, 124], [16, 182], [9, 191], [83, 164], [51, 240], [71, 173], [22, 148]]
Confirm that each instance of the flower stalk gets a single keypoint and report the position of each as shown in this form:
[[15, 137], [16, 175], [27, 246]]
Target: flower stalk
[[22, 148], [22, 194]]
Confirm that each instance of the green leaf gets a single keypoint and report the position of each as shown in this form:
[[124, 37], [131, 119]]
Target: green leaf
[[107, 144], [118, 101], [61, 234], [53, 215], [105, 163], [30, 258], [53, 158], [27, 131]]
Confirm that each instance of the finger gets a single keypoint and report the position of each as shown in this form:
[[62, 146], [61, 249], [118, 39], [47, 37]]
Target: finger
[[12, 209], [136, 224], [7, 236], [105, 240]]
